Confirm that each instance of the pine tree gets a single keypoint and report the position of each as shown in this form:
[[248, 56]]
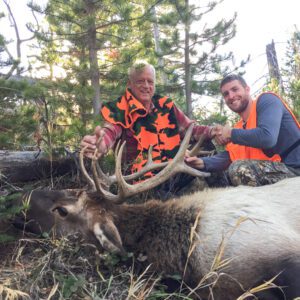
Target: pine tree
[[291, 73], [190, 47], [98, 40]]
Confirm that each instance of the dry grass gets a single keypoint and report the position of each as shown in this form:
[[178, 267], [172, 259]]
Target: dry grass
[[59, 269], [210, 280], [262, 287], [71, 269], [10, 294]]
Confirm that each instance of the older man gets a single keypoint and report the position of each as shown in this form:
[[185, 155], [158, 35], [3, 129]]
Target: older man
[[143, 118], [264, 145]]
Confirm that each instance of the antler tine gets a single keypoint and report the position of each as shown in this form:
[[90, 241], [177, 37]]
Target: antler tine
[[117, 148], [84, 171], [99, 177], [122, 184], [148, 167], [107, 180], [124, 189], [177, 165], [195, 150], [150, 160], [102, 191]]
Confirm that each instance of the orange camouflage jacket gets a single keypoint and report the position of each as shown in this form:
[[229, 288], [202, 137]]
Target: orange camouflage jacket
[[158, 128]]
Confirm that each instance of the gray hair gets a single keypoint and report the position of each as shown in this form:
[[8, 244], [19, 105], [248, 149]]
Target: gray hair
[[138, 67]]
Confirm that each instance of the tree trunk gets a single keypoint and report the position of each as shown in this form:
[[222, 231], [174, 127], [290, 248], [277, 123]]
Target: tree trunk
[[156, 37], [94, 67], [188, 77]]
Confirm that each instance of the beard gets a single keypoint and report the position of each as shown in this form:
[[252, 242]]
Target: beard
[[242, 105]]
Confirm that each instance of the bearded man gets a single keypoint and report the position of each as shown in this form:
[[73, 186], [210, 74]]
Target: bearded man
[[263, 147]]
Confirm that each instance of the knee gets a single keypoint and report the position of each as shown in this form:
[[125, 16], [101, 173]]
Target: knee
[[241, 172], [257, 172]]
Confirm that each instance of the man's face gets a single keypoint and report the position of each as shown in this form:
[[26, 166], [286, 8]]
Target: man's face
[[236, 96], [142, 85]]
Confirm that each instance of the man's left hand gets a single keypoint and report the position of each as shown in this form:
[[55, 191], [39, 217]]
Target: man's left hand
[[194, 161]]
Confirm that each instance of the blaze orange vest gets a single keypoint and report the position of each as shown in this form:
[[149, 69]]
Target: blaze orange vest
[[238, 152], [158, 128]]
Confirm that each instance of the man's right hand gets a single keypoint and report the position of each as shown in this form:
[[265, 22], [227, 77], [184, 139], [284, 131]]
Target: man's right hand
[[219, 136], [89, 143]]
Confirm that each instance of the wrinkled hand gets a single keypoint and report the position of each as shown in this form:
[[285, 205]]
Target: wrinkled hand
[[216, 130], [89, 143], [194, 161]]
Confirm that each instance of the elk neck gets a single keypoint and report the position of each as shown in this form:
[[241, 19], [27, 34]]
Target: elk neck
[[156, 227]]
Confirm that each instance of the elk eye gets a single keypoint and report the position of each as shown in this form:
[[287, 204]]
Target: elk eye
[[63, 212]]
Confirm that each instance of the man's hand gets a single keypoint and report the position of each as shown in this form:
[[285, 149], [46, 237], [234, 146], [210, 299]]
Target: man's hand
[[194, 161], [89, 143], [216, 131], [222, 134]]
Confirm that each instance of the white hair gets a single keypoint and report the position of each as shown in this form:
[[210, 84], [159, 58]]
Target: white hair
[[138, 67]]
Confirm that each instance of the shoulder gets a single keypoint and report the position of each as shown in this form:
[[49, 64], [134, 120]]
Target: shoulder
[[158, 97], [267, 97], [162, 101], [269, 101], [112, 103]]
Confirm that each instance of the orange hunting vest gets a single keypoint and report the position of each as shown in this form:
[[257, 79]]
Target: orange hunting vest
[[158, 128], [238, 152]]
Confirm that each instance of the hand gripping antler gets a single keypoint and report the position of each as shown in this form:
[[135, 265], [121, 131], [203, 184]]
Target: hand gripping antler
[[173, 167], [101, 182], [106, 181]]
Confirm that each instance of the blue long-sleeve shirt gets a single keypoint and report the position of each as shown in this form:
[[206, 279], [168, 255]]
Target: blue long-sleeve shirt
[[276, 131]]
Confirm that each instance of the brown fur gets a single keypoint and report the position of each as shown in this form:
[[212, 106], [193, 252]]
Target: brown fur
[[254, 229]]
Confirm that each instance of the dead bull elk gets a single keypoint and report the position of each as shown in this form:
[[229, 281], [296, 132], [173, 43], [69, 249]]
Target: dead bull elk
[[244, 236]]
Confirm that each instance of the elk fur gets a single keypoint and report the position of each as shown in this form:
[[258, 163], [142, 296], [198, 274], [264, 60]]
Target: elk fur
[[254, 231]]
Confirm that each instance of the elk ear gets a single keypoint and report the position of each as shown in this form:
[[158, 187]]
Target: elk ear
[[109, 237]]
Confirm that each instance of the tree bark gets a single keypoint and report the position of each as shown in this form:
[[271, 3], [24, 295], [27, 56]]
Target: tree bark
[[187, 63], [24, 166], [156, 37], [93, 59]]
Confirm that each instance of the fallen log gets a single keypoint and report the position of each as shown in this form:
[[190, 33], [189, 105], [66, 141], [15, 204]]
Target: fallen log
[[25, 166]]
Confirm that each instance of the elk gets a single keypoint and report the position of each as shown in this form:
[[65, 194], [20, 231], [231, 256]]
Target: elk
[[244, 236]]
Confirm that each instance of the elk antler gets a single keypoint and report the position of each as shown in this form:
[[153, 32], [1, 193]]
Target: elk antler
[[171, 168], [83, 169], [101, 182], [101, 176], [197, 151]]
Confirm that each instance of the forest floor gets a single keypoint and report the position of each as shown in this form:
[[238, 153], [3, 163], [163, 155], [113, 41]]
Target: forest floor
[[35, 267]]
